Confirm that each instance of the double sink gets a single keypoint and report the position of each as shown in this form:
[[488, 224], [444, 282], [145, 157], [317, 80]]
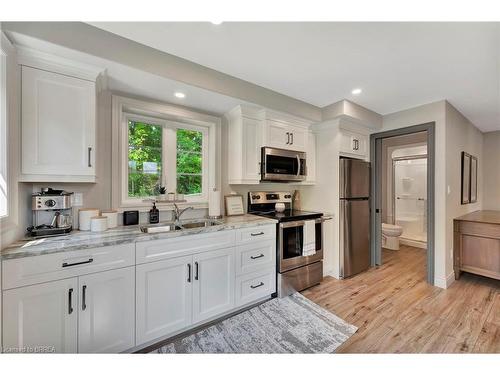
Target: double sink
[[180, 226]]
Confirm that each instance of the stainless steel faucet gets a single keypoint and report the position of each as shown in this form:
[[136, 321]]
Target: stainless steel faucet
[[177, 213]]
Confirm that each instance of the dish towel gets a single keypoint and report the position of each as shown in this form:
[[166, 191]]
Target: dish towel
[[309, 240]]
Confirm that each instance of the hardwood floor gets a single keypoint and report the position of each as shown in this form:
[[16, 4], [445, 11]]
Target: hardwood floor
[[396, 311]]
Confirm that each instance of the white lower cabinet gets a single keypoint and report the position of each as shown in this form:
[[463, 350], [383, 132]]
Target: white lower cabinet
[[91, 313], [254, 286], [41, 317], [213, 287], [106, 316], [164, 298]]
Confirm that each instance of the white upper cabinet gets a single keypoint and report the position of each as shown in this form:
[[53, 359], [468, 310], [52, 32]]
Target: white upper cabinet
[[251, 128], [58, 126], [353, 143], [286, 136], [244, 143]]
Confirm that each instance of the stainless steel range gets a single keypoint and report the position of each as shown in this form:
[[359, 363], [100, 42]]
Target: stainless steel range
[[299, 236]]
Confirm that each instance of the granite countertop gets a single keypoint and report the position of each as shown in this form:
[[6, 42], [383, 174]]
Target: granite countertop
[[78, 240], [484, 216]]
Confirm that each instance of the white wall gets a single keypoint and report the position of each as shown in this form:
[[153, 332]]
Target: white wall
[[461, 135], [433, 112], [491, 171], [454, 133]]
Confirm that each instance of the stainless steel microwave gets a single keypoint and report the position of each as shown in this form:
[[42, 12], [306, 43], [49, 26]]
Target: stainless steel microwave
[[282, 165]]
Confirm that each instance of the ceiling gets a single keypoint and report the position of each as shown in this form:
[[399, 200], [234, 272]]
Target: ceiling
[[397, 65]]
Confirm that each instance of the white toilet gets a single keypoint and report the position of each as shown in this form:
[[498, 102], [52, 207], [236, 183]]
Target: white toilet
[[390, 236]]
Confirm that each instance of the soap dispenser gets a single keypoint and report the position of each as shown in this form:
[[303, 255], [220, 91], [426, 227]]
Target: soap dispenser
[[154, 215]]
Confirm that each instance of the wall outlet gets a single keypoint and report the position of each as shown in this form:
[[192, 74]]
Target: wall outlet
[[77, 199]]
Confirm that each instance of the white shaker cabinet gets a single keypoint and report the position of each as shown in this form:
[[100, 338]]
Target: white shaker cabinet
[[286, 136], [41, 317], [106, 316], [58, 127], [244, 144], [213, 284], [354, 143], [164, 298]]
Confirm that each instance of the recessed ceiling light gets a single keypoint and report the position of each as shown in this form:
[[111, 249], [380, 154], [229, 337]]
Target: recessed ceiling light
[[356, 91], [180, 95], [216, 22]]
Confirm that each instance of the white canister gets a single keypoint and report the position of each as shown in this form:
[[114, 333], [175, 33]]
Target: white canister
[[279, 207], [84, 215], [112, 216], [98, 223]]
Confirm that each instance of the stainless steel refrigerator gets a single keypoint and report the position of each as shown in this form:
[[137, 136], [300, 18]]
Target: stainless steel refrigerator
[[354, 216]]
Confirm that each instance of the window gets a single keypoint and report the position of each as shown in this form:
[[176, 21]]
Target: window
[[189, 161], [166, 154], [144, 159]]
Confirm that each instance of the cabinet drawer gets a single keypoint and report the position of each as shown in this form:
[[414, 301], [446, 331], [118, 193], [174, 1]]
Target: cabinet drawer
[[43, 268], [255, 256], [255, 234], [150, 251], [254, 286]]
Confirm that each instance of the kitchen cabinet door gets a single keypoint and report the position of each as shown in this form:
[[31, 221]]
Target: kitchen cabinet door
[[251, 150], [41, 317], [58, 127], [164, 298], [107, 311], [286, 136], [213, 284], [354, 143]]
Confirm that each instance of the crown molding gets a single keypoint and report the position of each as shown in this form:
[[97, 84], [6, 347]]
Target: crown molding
[[42, 60]]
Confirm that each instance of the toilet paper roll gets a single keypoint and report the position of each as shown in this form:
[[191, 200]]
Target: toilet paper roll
[[112, 216], [214, 203], [98, 223], [84, 216]]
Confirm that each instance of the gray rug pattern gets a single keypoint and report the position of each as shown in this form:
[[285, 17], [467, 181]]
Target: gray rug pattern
[[293, 324]]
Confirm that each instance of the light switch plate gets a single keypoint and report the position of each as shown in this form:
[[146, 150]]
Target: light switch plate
[[77, 199]]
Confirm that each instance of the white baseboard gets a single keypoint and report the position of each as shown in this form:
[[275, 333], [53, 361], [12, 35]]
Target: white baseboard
[[444, 282], [414, 243]]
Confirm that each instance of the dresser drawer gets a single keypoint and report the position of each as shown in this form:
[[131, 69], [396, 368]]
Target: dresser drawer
[[255, 256], [42, 268], [254, 286], [248, 235], [151, 251]]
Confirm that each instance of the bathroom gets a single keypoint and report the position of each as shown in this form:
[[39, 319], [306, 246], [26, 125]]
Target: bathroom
[[404, 198]]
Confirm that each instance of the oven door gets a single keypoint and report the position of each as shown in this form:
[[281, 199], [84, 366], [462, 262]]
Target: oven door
[[290, 242], [283, 165]]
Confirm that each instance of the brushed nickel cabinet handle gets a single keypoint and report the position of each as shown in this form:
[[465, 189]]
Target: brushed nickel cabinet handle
[[288, 138], [189, 272], [196, 272], [292, 138]]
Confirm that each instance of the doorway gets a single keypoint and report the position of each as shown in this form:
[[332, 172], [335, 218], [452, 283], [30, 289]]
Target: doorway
[[402, 190]]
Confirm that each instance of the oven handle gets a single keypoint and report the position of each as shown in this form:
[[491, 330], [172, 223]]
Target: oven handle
[[299, 223]]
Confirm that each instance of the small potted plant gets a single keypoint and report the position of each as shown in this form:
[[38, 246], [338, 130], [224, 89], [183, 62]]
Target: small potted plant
[[162, 193]]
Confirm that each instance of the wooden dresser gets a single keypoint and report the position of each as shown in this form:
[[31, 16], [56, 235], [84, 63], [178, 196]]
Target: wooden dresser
[[476, 244]]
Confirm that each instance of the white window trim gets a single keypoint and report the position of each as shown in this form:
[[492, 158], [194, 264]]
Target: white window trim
[[4, 179], [172, 117]]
